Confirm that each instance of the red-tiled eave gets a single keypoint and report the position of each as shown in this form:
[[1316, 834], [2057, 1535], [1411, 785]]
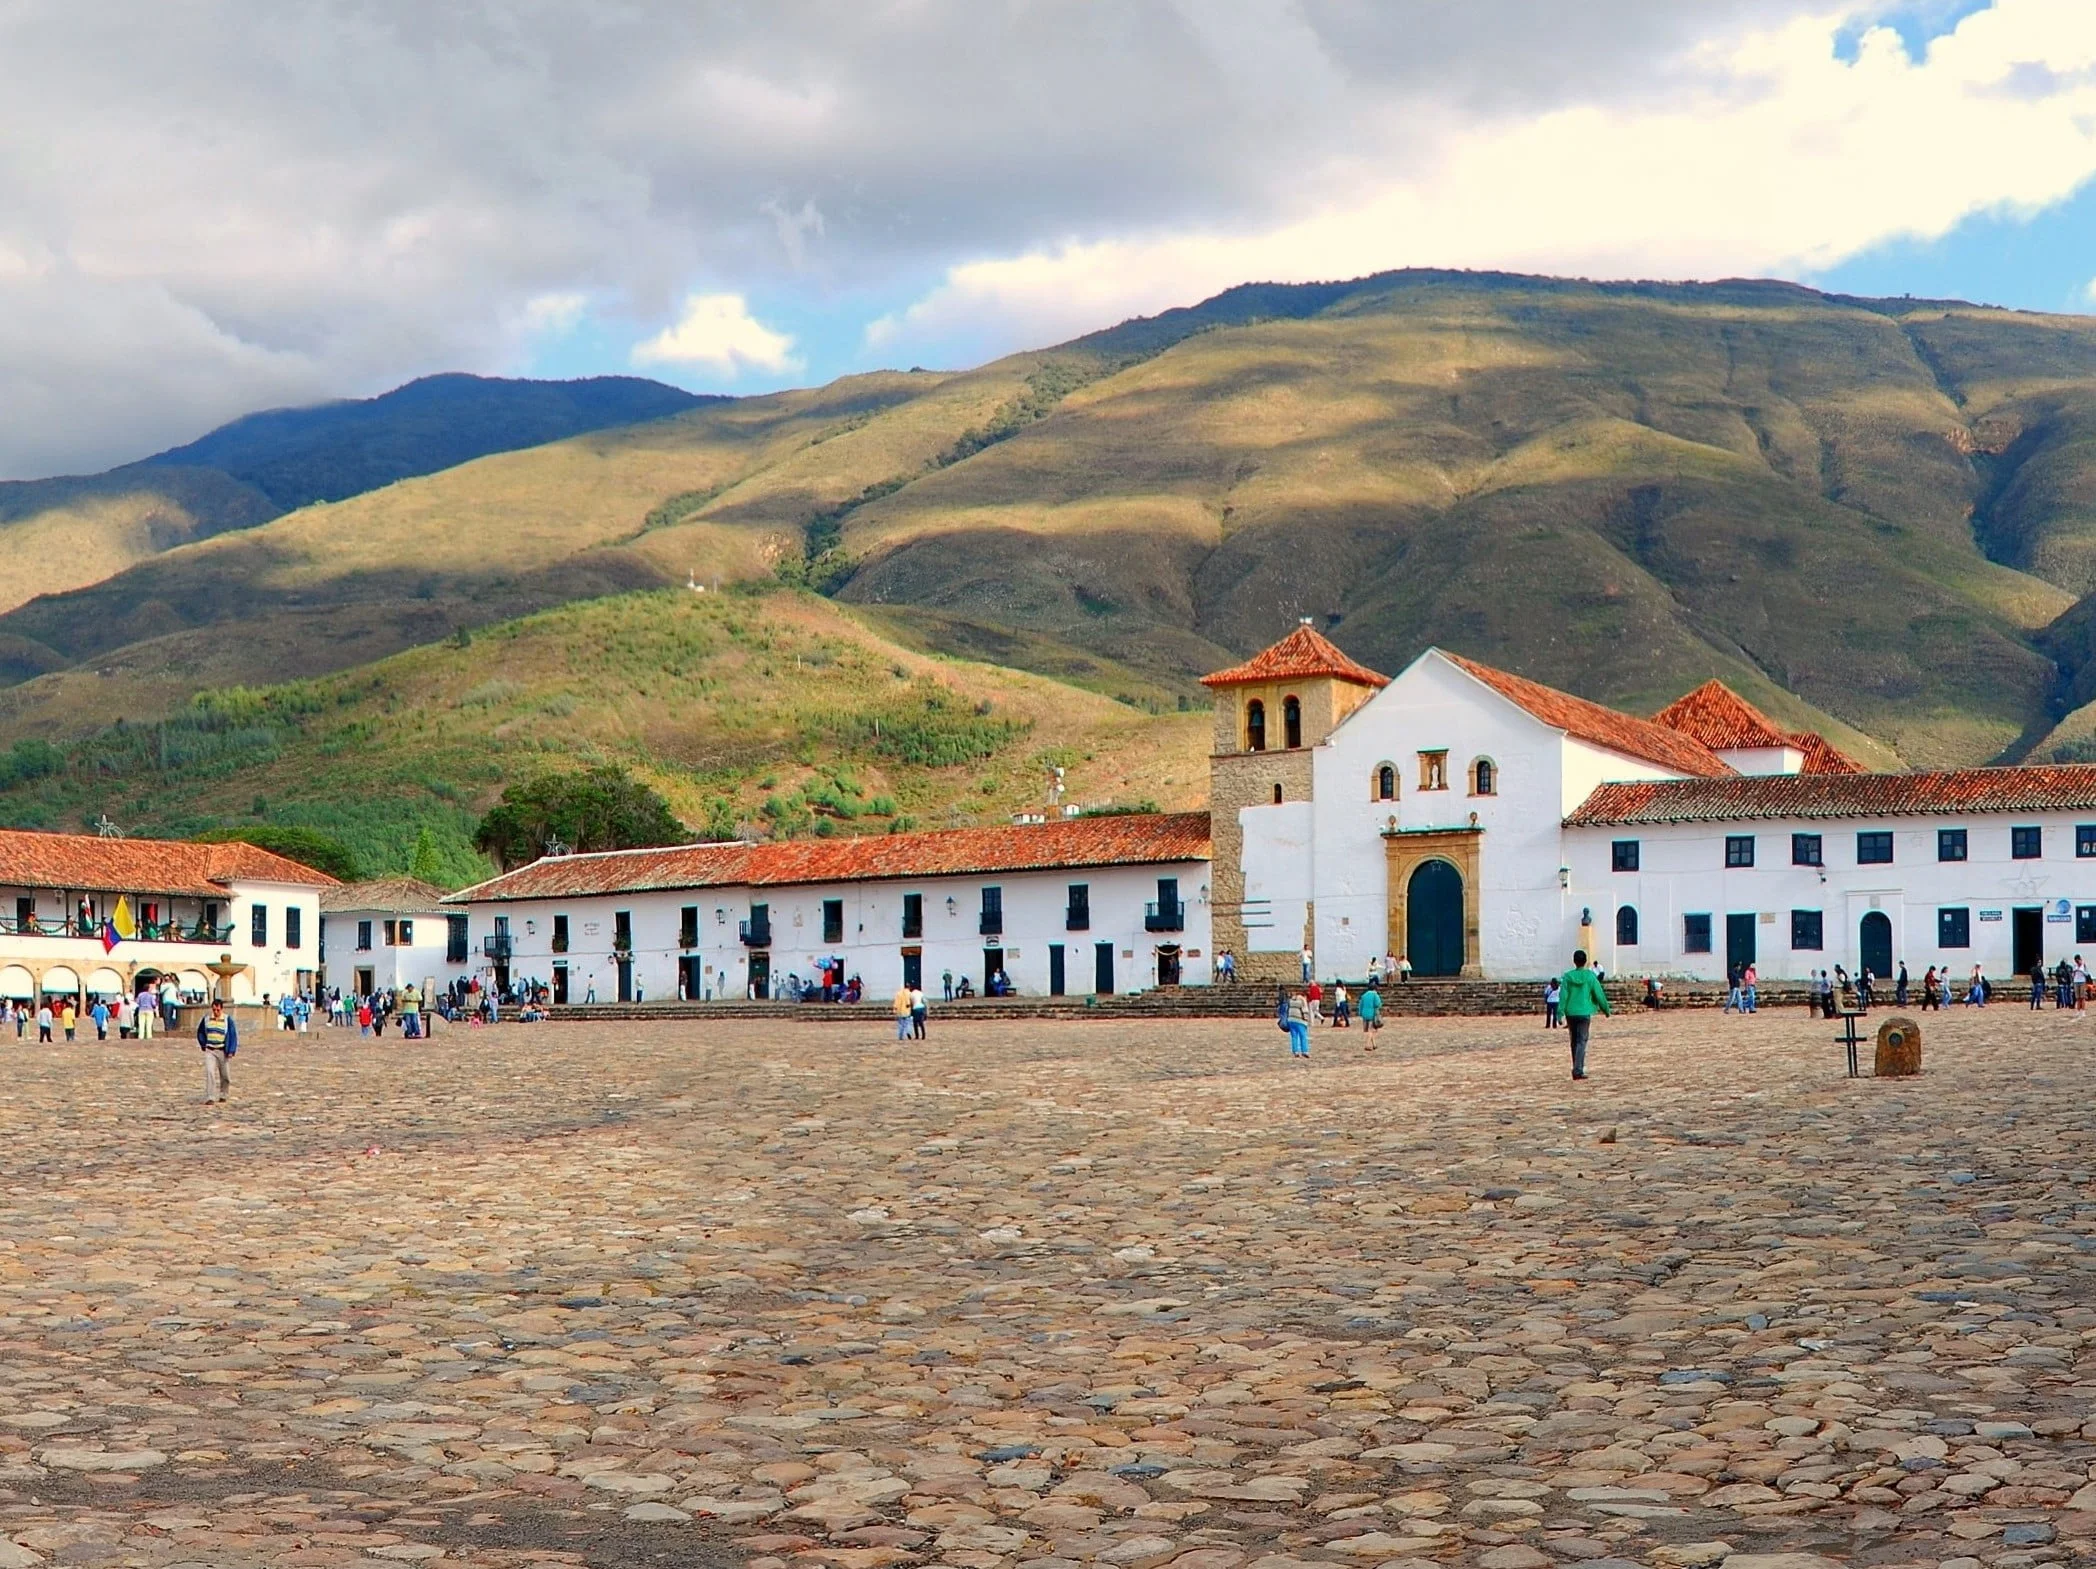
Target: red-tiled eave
[[1823, 756], [2057, 787], [1149, 838], [1303, 655], [1604, 727], [616, 871], [85, 863], [1722, 720]]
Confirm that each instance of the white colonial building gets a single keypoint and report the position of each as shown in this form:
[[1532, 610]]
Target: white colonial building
[[1484, 825], [91, 917], [1477, 823], [390, 932], [1072, 906]]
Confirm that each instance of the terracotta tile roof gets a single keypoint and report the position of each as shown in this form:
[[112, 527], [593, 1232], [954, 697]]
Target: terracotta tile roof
[[1149, 838], [84, 863], [1605, 727], [1721, 719], [1724, 721], [1822, 756], [616, 871], [1302, 655], [394, 895], [2055, 787]]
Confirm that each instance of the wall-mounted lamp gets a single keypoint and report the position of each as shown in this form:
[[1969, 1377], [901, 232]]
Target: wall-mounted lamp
[[952, 908], [1202, 896], [1564, 877], [720, 916], [530, 925]]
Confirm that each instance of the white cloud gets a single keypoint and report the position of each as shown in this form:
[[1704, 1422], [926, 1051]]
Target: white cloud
[[717, 332], [326, 197], [554, 314], [1770, 155]]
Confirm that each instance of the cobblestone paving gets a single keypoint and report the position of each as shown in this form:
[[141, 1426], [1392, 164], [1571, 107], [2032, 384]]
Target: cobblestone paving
[[1054, 1294]]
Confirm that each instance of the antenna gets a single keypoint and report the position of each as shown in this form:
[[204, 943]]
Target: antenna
[[105, 829]]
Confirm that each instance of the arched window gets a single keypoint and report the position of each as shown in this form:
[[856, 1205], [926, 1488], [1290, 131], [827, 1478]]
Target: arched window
[[1484, 777], [1626, 926], [1292, 722], [1386, 783], [1255, 726]]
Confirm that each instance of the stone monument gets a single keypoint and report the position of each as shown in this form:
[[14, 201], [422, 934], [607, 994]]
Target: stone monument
[[1899, 1049]]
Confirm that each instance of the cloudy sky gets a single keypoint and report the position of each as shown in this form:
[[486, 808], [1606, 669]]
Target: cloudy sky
[[208, 206]]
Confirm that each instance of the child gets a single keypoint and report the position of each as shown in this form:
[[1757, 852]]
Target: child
[[1550, 998]]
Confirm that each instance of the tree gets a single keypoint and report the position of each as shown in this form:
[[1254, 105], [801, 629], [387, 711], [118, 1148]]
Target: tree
[[426, 861], [598, 809], [307, 846]]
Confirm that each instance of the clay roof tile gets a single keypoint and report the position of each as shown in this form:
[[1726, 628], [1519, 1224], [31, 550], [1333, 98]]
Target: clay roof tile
[[1302, 655], [1603, 727]]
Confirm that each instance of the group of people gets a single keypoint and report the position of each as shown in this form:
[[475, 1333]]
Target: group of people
[[2069, 985], [1300, 1010], [1388, 967], [132, 1017], [911, 1009]]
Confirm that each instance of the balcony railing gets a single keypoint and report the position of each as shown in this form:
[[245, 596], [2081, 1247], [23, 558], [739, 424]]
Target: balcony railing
[[754, 934], [146, 931], [991, 924], [1165, 917], [1077, 918], [498, 947]]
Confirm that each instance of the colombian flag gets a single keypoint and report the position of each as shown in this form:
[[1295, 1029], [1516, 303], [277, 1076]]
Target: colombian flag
[[118, 926]]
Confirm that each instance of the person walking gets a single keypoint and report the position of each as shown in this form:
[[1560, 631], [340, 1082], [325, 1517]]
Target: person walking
[[1550, 999], [100, 1014], [43, 1020], [1296, 1021], [1340, 1017], [1731, 989], [920, 1010], [1306, 966], [899, 1005], [1899, 986], [1928, 988], [1370, 1007], [219, 1039], [1581, 995], [69, 1017], [2037, 984], [1749, 977], [1314, 1001]]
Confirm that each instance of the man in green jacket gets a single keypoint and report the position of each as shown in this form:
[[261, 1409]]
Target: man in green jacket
[[1579, 995]]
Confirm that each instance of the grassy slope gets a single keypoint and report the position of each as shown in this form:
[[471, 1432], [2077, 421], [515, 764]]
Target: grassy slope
[[1623, 490], [719, 697]]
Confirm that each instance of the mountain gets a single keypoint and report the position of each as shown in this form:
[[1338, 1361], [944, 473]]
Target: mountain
[[333, 450], [770, 711], [1874, 518], [82, 529]]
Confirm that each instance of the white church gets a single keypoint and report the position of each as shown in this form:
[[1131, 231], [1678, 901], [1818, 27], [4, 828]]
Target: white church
[[1477, 823], [1483, 825]]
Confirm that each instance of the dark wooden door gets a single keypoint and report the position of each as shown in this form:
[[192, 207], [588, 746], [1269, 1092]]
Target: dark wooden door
[[1434, 919]]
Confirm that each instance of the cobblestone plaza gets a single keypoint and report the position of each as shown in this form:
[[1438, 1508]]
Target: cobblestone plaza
[[1054, 1294]]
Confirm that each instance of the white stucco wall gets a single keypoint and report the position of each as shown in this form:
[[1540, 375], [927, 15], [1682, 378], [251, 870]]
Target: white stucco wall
[[1034, 906], [1436, 706], [419, 963], [1682, 871], [1279, 841]]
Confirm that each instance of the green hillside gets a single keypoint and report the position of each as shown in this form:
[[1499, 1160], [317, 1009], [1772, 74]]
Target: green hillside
[[771, 712], [82, 529], [1866, 515]]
